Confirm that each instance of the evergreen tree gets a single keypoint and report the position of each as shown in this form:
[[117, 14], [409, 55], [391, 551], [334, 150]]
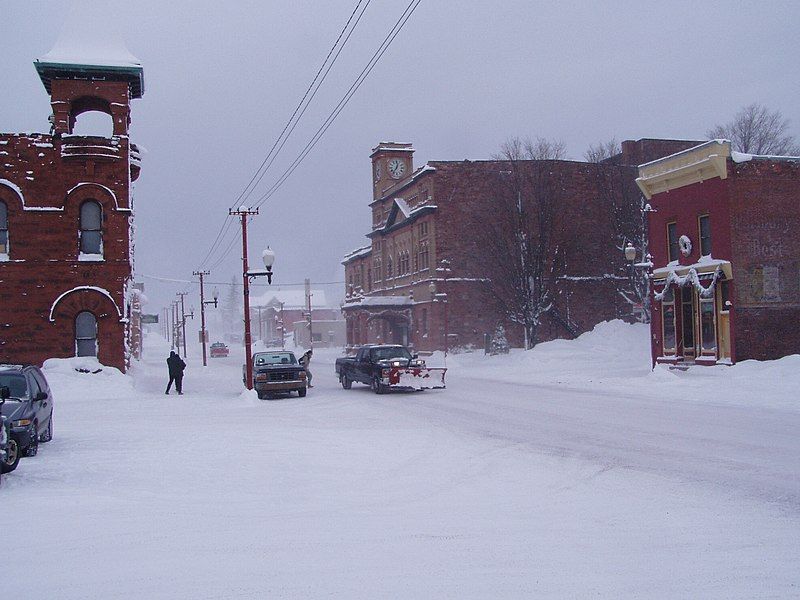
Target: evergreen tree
[[499, 343]]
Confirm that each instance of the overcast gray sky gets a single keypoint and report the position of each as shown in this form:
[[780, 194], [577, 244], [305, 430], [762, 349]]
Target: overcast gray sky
[[222, 80]]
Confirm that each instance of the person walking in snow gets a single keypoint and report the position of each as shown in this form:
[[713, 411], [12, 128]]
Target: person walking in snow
[[176, 366], [305, 361]]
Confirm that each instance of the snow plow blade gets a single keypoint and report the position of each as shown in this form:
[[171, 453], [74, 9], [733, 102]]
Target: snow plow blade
[[417, 378]]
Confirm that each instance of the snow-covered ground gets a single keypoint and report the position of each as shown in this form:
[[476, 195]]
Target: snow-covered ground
[[570, 471]]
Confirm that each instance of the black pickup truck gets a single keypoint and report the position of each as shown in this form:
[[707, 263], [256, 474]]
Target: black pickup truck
[[388, 367]]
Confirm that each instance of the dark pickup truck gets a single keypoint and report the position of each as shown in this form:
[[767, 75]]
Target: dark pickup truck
[[388, 367], [277, 372]]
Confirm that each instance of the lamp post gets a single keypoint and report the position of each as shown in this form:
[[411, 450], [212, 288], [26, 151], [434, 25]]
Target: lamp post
[[203, 332], [268, 256], [440, 297]]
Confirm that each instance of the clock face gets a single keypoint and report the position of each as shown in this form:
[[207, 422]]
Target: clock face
[[396, 168], [377, 170]]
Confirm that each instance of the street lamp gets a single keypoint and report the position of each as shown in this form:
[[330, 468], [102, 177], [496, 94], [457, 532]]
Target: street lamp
[[441, 297], [268, 257]]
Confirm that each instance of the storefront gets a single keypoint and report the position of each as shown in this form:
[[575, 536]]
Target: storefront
[[692, 308]]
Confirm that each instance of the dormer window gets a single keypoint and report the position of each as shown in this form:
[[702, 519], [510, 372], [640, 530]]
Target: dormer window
[[3, 229], [91, 234]]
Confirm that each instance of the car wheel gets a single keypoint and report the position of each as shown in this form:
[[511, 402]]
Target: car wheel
[[47, 435], [377, 386], [12, 456], [261, 395], [301, 392], [33, 449], [346, 383]]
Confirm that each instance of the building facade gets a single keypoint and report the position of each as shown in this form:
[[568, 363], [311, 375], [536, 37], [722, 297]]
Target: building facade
[[725, 244], [66, 222], [282, 316], [434, 276]]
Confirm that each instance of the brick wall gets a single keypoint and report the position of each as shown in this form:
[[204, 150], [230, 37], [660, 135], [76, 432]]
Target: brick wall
[[765, 232]]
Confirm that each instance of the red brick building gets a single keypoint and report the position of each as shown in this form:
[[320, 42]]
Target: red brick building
[[426, 278], [725, 244], [66, 221]]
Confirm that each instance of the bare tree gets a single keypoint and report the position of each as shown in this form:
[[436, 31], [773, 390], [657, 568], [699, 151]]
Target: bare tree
[[602, 150], [529, 149], [519, 241], [757, 130], [627, 208]]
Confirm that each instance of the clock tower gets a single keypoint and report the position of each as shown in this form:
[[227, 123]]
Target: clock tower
[[391, 162]]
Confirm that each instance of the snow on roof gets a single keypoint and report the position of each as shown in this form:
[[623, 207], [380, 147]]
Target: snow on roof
[[404, 207], [294, 298], [384, 301], [408, 181], [363, 251], [740, 157], [88, 37]]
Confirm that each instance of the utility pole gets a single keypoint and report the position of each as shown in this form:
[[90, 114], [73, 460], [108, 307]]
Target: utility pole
[[244, 212], [183, 322], [203, 334], [174, 323], [283, 330], [308, 313]]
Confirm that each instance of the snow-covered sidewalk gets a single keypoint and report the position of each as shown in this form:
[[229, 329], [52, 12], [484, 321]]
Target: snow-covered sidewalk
[[562, 483]]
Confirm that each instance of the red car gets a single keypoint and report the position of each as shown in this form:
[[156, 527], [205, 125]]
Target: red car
[[218, 349]]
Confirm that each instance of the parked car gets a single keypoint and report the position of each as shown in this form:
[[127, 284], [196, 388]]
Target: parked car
[[387, 367], [5, 429], [218, 350], [28, 409], [277, 372]]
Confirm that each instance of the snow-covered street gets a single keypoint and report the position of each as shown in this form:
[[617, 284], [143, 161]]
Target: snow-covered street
[[527, 477]]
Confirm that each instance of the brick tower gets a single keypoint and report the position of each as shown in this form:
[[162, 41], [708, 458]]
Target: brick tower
[[66, 219]]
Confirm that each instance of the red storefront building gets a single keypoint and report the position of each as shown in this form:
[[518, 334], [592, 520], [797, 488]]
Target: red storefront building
[[66, 221], [724, 235]]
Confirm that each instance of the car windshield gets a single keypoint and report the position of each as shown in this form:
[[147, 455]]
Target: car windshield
[[217, 345], [389, 353], [16, 386], [274, 358]]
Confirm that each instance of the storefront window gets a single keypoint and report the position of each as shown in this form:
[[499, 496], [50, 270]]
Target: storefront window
[[687, 313], [668, 316], [707, 324]]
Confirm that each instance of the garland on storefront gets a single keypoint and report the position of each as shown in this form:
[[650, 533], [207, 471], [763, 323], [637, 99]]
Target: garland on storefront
[[690, 278]]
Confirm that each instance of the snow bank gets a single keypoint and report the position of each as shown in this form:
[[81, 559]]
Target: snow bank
[[612, 350], [615, 357], [86, 378]]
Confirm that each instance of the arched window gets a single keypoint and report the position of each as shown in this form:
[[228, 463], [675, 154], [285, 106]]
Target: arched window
[[94, 123], [3, 228], [85, 334], [91, 236]]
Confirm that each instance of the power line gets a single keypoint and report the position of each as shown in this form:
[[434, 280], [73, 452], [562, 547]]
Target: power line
[[230, 283], [398, 26], [376, 56], [263, 169], [273, 153]]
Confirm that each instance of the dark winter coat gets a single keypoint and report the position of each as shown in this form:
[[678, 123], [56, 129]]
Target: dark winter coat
[[176, 365]]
